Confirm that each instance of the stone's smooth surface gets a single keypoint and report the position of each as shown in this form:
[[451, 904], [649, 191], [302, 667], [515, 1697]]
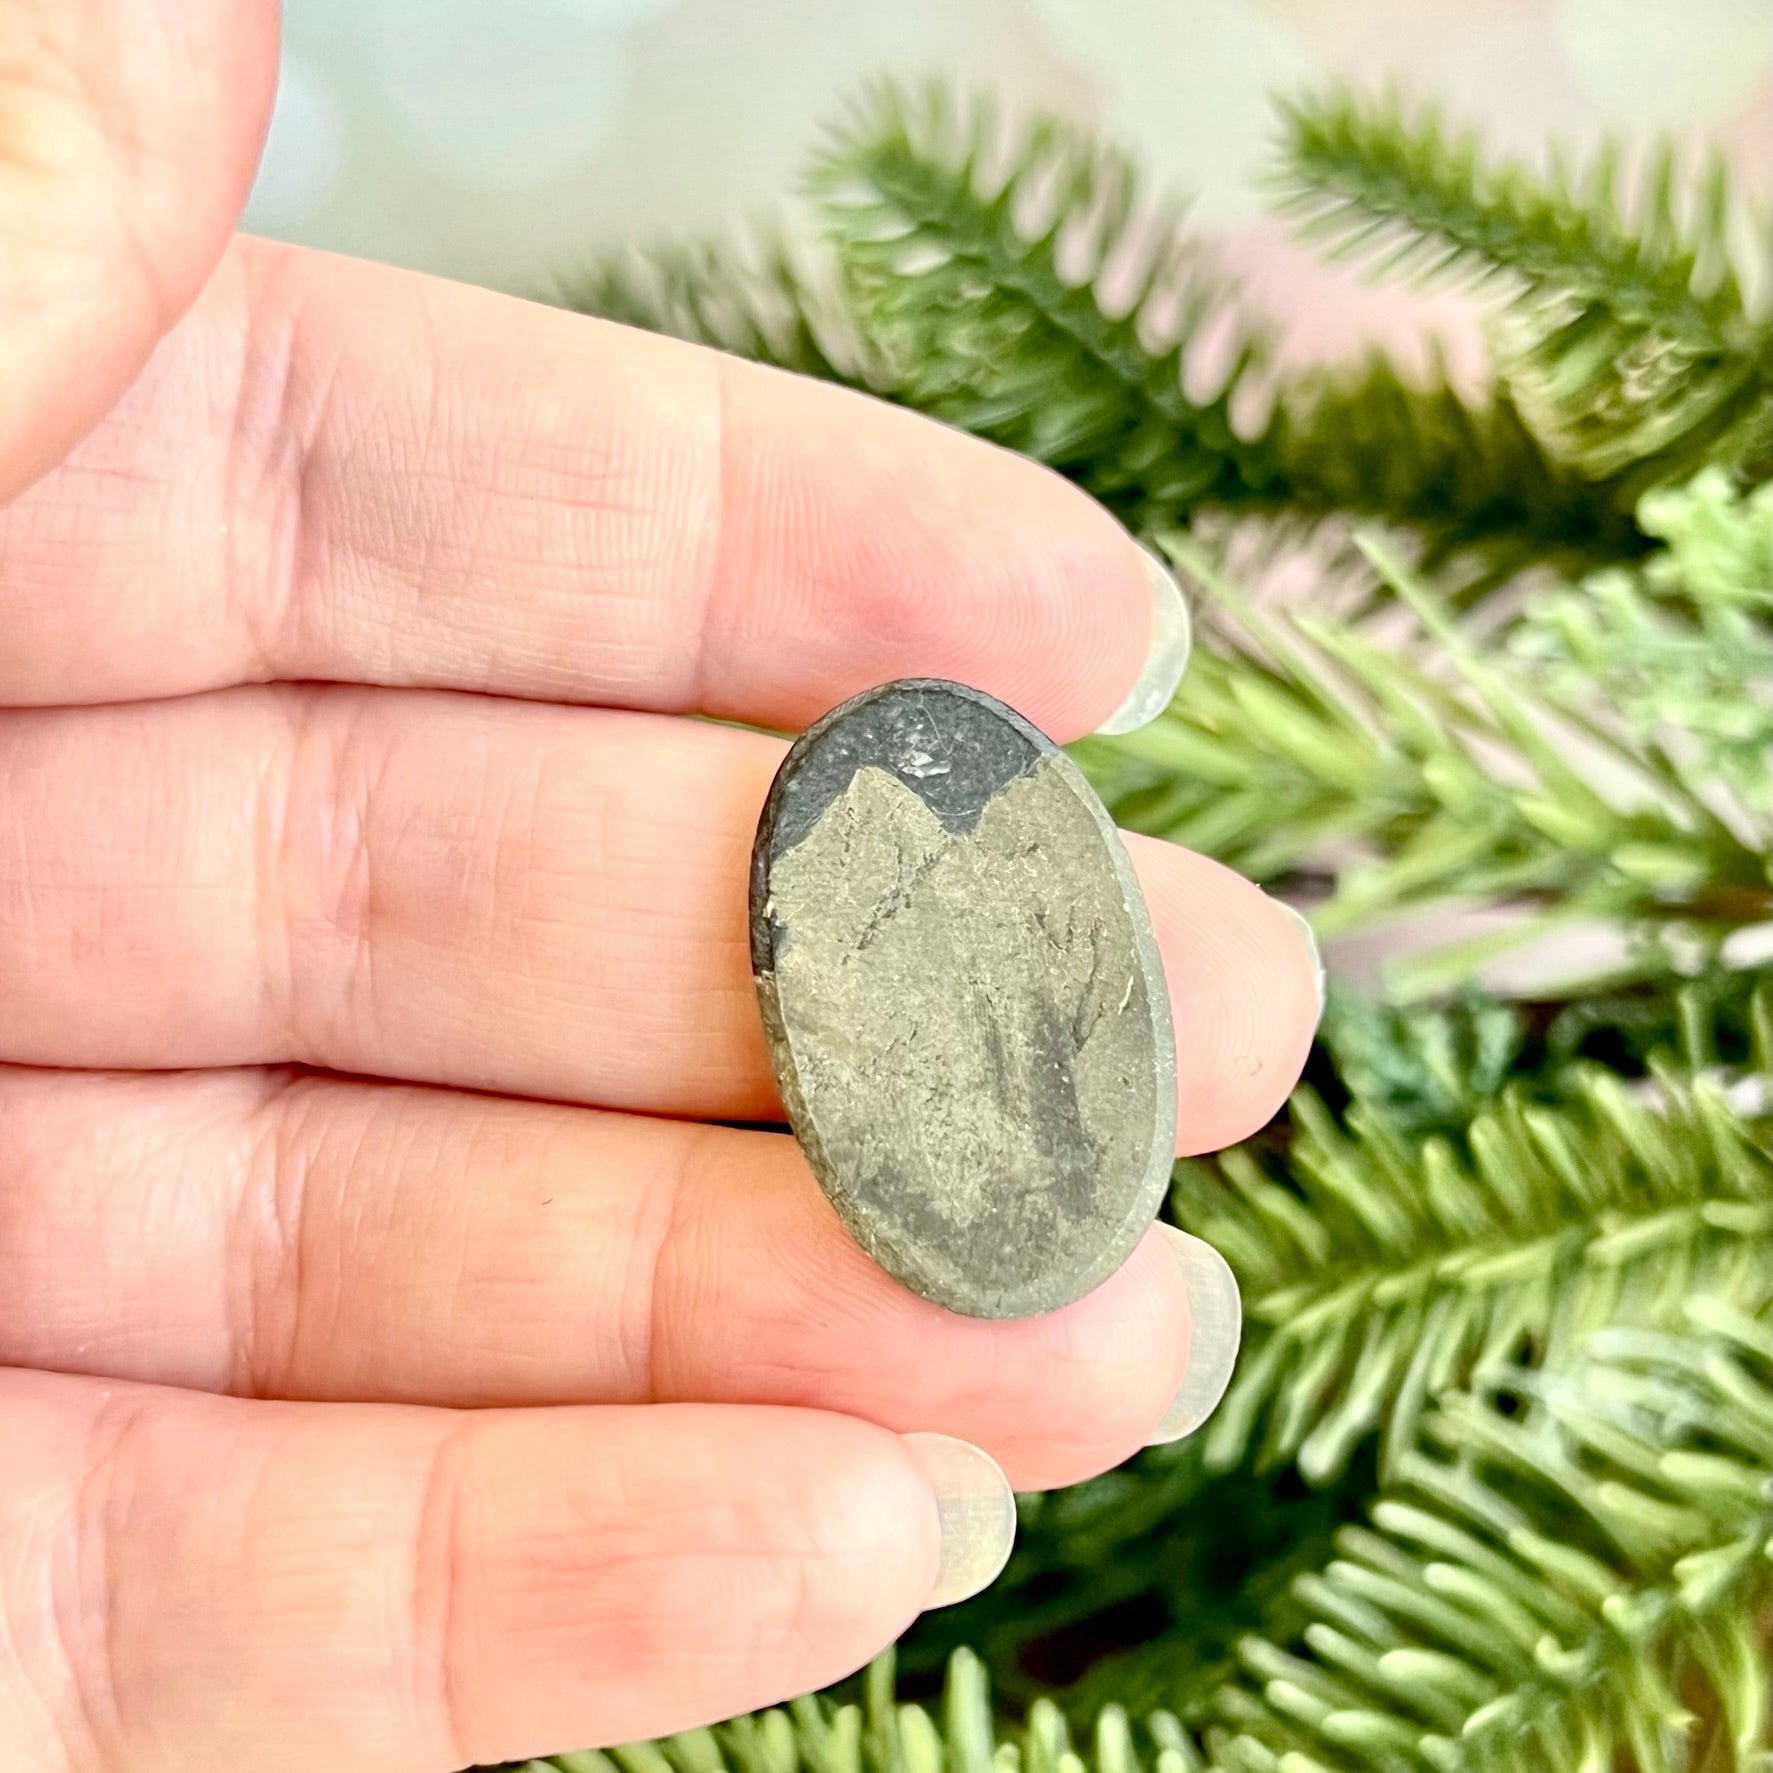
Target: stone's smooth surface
[[964, 1002]]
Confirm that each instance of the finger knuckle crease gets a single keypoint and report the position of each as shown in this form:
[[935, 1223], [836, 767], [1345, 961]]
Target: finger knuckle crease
[[438, 1553], [320, 875], [272, 1235], [109, 1701]]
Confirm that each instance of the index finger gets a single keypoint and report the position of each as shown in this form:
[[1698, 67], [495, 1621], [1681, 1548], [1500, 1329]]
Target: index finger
[[333, 470]]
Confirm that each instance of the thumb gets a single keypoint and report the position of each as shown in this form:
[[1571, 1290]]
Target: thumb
[[129, 130]]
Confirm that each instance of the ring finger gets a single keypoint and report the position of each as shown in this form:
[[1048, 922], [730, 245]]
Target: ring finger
[[317, 1238]]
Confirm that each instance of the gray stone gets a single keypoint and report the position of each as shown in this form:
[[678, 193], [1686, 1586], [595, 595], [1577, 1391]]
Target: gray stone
[[964, 1003]]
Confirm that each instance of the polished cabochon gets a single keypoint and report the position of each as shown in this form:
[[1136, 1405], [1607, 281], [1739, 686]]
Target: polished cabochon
[[963, 999]]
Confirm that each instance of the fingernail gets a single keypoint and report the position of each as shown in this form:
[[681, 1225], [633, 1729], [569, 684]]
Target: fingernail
[[1218, 1318], [1308, 936], [1165, 659], [978, 1513]]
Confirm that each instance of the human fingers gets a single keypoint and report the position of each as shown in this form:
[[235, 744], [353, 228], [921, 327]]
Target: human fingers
[[299, 1236], [508, 896], [198, 1583], [128, 134], [345, 472]]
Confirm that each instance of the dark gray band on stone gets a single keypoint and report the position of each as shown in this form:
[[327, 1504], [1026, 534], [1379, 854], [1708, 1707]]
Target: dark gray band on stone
[[953, 746]]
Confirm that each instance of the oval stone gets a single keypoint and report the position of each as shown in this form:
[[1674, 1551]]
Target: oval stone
[[964, 1004]]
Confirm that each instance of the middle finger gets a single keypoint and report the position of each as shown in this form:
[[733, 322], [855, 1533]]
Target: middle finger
[[496, 895]]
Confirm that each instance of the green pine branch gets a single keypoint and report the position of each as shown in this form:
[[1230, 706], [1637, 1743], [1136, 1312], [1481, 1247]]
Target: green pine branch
[[1641, 357], [1426, 774], [1431, 1068], [1461, 474], [1023, 293], [1011, 282], [953, 246], [1581, 1583], [1682, 643], [1369, 176], [878, 1734], [1382, 1266]]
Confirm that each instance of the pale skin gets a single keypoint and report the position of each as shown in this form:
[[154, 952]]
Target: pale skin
[[397, 1367]]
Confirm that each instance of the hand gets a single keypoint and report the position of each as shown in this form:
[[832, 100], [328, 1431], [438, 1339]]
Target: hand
[[400, 1369]]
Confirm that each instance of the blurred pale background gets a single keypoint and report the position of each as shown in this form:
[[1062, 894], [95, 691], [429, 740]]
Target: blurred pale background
[[504, 140]]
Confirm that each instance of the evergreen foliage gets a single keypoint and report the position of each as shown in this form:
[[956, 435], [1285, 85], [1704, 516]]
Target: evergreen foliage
[[1442, 774], [954, 248], [1644, 356], [1673, 647], [1381, 1268], [1491, 1488], [1572, 1586]]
